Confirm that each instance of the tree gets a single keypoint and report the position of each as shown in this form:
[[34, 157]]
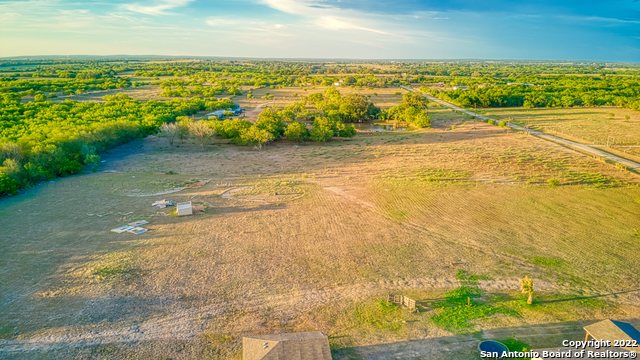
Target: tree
[[526, 287], [170, 131], [296, 131], [256, 136], [183, 123], [322, 130], [201, 131], [270, 120]]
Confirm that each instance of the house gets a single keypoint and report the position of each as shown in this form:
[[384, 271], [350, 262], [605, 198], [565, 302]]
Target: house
[[597, 335], [222, 113], [460, 87], [289, 346], [613, 330]]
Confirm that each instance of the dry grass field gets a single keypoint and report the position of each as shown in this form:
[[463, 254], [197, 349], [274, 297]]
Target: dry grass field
[[313, 237], [616, 130]]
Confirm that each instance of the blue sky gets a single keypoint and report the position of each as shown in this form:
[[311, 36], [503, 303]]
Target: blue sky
[[606, 30]]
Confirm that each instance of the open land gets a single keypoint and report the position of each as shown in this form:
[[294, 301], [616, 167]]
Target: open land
[[314, 237], [610, 129]]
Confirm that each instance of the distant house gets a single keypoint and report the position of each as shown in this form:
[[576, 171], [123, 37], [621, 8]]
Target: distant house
[[222, 113], [290, 346], [460, 87]]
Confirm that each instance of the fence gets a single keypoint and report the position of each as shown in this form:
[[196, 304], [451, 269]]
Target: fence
[[402, 300]]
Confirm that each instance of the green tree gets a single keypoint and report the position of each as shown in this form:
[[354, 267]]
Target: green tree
[[322, 130], [256, 136], [296, 131]]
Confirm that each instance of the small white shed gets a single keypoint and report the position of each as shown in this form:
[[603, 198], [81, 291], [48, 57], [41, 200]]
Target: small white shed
[[184, 209]]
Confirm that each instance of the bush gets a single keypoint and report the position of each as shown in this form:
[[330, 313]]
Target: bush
[[553, 182], [231, 128], [502, 123], [271, 121], [322, 130], [296, 131], [256, 136]]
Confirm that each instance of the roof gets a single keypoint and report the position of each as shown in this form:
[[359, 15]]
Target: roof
[[602, 353], [613, 330], [289, 346]]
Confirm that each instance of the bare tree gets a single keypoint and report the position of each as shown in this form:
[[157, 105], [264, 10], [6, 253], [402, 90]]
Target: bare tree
[[170, 131], [201, 131]]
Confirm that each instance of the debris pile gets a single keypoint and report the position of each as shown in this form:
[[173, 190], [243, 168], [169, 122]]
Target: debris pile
[[161, 204], [132, 227]]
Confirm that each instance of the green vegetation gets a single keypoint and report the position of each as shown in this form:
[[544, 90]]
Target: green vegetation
[[43, 136], [42, 140], [326, 113], [462, 306], [411, 111], [380, 315], [515, 345], [541, 85], [118, 265], [548, 262]]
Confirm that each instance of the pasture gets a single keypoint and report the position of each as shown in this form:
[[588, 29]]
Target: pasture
[[314, 237], [616, 130]]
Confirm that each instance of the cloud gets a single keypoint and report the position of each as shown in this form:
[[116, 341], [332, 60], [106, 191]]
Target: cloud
[[334, 23], [600, 19], [326, 16], [159, 8], [235, 24]]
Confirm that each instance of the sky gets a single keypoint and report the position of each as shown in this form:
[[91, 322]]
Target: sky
[[592, 30]]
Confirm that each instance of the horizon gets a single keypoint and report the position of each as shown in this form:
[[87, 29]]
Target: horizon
[[145, 57], [498, 30]]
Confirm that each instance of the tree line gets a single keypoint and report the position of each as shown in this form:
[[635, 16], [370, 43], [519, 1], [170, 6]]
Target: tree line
[[40, 140]]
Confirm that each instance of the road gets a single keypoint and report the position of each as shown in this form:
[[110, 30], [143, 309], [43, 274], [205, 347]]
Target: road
[[583, 148]]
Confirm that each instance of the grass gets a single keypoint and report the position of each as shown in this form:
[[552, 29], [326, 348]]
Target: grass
[[113, 266], [379, 315], [375, 214], [515, 345], [462, 307], [548, 262], [613, 129], [8, 332]]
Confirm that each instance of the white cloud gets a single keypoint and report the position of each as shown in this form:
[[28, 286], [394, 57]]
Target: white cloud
[[335, 23], [235, 24], [328, 17], [159, 8]]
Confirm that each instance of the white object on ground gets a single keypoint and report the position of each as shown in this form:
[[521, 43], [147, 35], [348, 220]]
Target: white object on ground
[[184, 209]]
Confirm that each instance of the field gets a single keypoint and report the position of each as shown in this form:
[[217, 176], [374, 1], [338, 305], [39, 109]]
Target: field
[[314, 237], [611, 129]]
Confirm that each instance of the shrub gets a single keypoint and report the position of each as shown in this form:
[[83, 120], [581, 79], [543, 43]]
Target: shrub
[[271, 121], [231, 128], [256, 136], [201, 131], [296, 131], [322, 130], [553, 182], [169, 131]]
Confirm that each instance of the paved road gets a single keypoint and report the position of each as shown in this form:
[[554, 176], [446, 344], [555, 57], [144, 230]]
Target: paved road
[[583, 148]]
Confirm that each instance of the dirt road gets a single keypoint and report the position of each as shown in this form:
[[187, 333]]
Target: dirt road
[[583, 148]]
